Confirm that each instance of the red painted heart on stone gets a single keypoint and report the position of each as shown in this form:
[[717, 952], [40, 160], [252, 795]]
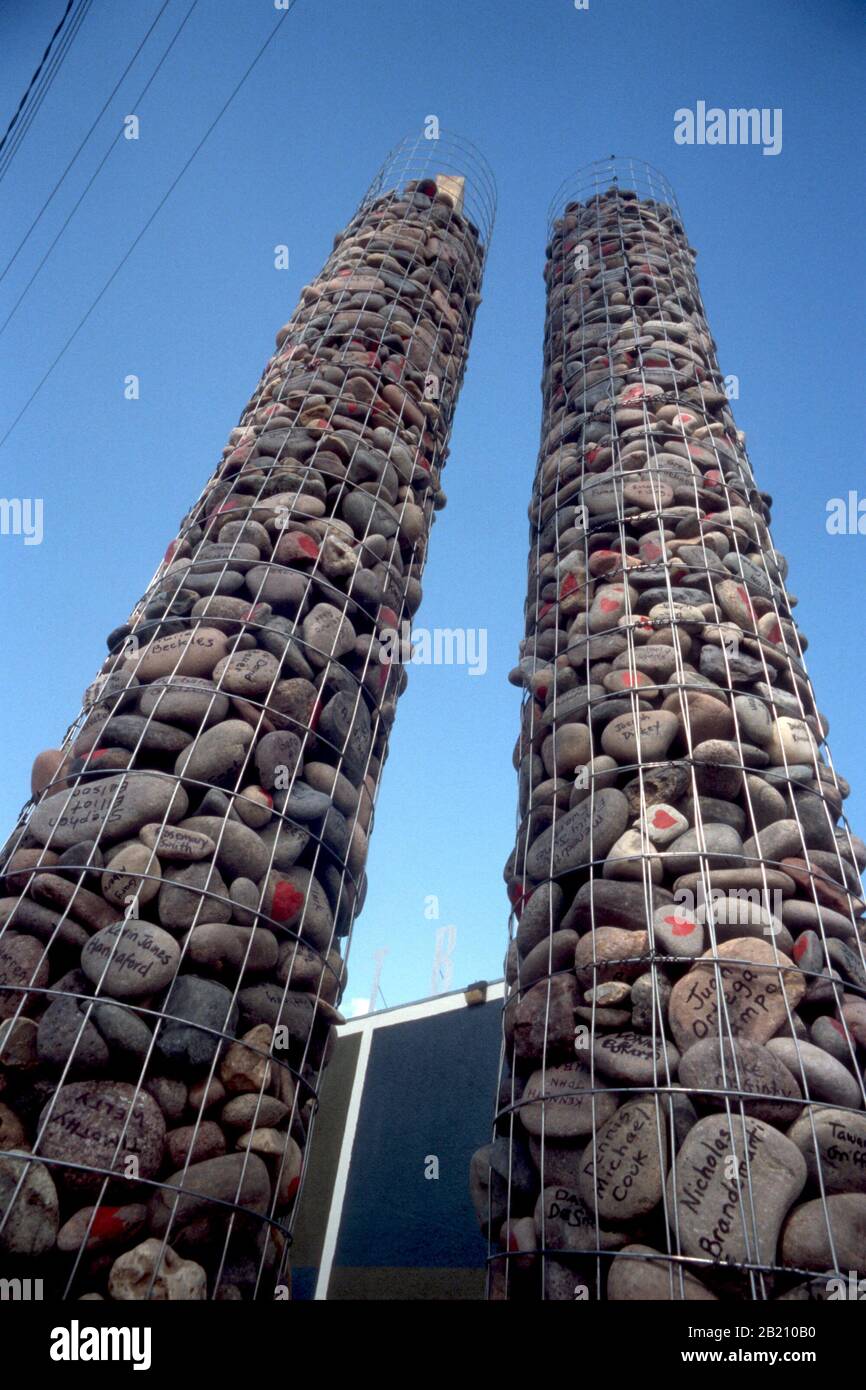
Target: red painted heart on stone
[[662, 821], [106, 1224], [287, 902], [568, 587], [308, 546], [680, 926], [608, 605], [800, 948]]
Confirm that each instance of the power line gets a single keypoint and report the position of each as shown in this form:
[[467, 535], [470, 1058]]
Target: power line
[[97, 171], [26, 114], [35, 76], [108, 102], [214, 123]]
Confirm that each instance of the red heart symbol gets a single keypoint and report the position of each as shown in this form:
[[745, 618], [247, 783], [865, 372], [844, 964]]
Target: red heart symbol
[[679, 926], [800, 948], [662, 821], [608, 605], [287, 903]]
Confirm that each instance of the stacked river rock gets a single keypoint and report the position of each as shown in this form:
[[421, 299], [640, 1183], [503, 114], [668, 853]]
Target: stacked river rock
[[177, 893], [681, 1110]]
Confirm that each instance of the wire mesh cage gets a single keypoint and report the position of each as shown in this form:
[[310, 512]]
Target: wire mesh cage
[[680, 1111], [180, 890]]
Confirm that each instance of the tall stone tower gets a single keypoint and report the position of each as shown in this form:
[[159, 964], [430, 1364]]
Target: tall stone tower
[[681, 1105], [178, 890]]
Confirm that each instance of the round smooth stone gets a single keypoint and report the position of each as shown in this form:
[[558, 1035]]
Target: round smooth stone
[[304, 804], [591, 828], [328, 635], [174, 843], [552, 954], [184, 699], [188, 653], [701, 716], [825, 1078], [622, 1171], [98, 1228], [806, 1240], [717, 768], [113, 808], [664, 823], [755, 991], [645, 740], [736, 604], [102, 1124], [776, 842], [134, 732], [277, 756], [653, 660], [189, 1194], [640, 1273], [345, 723], [200, 1011], [122, 1030], [716, 846], [836, 1145], [324, 778], [539, 916], [30, 1227], [223, 947], [544, 1019], [23, 961], [567, 748], [567, 1111], [610, 954], [131, 873], [714, 1213], [635, 1058], [194, 893], [297, 901], [130, 959], [237, 849], [631, 858], [710, 1070], [248, 675], [67, 1037], [677, 932], [753, 719], [217, 755]]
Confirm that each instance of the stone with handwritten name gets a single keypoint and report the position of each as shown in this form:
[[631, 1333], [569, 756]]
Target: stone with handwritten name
[[646, 739], [191, 653], [133, 872], [130, 959], [566, 1112], [755, 983], [837, 1145], [591, 829], [635, 1058], [623, 1170], [563, 1221], [710, 1071], [173, 842], [635, 1276], [112, 808], [731, 1187], [185, 700], [107, 1125], [23, 961]]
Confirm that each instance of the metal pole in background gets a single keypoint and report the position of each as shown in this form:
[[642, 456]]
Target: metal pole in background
[[177, 890], [680, 1112]]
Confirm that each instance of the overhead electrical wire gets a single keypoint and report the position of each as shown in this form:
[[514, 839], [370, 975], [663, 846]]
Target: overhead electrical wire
[[62, 178], [163, 200], [25, 114], [76, 205]]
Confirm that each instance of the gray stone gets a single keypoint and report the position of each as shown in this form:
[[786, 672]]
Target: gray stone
[[590, 829], [27, 1188], [111, 807], [130, 959], [199, 1011], [825, 1078]]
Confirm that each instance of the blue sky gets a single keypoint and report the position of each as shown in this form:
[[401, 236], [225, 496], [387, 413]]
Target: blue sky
[[541, 89]]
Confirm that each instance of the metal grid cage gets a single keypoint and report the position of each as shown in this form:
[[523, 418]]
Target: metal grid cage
[[680, 1111], [180, 890]]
